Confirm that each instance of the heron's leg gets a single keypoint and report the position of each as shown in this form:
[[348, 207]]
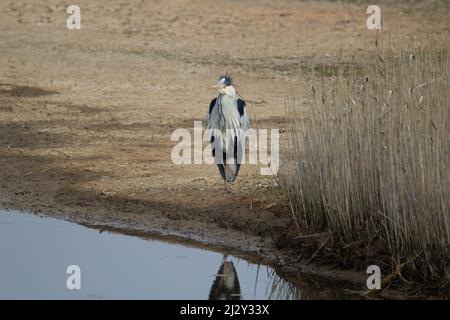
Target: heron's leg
[[227, 190]]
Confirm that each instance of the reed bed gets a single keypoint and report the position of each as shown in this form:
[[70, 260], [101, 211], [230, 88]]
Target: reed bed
[[368, 158]]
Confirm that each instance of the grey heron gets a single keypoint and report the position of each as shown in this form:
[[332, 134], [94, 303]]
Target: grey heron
[[226, 285], [227, 125]]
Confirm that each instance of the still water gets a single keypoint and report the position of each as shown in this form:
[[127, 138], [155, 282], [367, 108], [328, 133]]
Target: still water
[[35, 253]]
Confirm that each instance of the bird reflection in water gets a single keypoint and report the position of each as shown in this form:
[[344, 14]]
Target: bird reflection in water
[[226, 285]]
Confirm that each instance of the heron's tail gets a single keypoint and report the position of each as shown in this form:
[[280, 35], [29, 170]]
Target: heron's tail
[[231, 171]]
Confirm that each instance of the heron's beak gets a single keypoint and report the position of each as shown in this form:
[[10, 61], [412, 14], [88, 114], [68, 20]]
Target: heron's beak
[[217, 87]]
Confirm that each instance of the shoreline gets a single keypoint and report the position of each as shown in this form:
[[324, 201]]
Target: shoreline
[[253, 248]]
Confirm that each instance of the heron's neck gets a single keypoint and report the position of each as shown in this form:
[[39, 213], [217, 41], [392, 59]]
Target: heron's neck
[[229, 91]]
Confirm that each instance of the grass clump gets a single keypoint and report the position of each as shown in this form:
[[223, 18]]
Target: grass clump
[[368, 161]]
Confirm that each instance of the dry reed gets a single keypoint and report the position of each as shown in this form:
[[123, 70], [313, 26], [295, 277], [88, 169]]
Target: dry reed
[[369, 159]]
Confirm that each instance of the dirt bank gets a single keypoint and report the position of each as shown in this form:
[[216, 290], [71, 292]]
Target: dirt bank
[[86, 115]]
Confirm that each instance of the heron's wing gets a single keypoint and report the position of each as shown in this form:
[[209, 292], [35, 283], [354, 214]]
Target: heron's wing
[[241, 106], [244, 118], [241, 141], [211, 107], [212, 104]]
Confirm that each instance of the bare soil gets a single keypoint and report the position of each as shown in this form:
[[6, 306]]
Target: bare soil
[[86, 115]]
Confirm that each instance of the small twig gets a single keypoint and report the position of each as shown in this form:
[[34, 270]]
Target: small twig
[[320, 248], [311, 235], [269, 206]]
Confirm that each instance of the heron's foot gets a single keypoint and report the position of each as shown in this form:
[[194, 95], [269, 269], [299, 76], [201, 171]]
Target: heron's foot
[[227, 189]]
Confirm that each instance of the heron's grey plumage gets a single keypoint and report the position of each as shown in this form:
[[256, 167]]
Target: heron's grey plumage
[[226, 285], [228, 124]]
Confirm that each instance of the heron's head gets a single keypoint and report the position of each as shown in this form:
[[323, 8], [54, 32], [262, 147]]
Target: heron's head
[[225, 86]]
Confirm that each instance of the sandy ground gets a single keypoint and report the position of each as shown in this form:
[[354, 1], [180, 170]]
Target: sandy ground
[[86, 115]]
